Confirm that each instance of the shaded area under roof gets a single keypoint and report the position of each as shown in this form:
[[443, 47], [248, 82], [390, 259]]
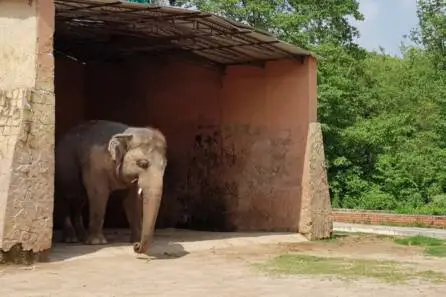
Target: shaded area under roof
[[98, 29]]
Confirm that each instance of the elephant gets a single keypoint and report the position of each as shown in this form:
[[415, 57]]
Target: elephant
[[98, 157]]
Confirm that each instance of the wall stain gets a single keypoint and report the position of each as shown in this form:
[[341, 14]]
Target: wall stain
[[229, 169], [205, 200]]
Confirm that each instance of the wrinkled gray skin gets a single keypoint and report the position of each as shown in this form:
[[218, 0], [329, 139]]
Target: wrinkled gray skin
[[98, 157]]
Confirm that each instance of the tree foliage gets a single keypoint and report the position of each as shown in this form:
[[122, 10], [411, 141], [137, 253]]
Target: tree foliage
[[304, 22], [431, 32], [383, 117]]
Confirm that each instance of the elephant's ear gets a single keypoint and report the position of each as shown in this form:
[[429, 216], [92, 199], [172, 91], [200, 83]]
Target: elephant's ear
[[117, 146]]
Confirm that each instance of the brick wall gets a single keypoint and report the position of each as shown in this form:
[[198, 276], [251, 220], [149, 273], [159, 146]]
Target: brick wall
[[382, 218]]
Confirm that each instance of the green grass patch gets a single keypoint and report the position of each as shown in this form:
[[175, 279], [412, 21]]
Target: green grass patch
[[436, 251], [387, 271], [419, 240], [432, 246]]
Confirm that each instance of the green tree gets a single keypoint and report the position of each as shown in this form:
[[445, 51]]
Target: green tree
[[431, 32], [303, 22], [397, 149]]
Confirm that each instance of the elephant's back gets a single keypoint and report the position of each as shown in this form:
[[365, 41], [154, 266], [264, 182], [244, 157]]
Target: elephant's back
[[92, 133], [79, 140], [102, 130]]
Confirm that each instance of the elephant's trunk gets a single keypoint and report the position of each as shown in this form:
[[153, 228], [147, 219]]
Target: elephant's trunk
[[150, 191]]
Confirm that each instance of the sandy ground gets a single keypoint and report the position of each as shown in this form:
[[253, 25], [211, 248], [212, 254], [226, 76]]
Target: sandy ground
[[185, 263]]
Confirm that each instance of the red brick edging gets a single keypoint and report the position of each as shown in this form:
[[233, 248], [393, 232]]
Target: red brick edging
[[382, 218]]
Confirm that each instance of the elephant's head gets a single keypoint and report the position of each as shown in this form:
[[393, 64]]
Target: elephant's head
[[140, 156]]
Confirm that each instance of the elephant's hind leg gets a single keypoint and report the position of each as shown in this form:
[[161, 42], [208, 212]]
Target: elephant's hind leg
[[78, 222], [69, 233], [62, 219]]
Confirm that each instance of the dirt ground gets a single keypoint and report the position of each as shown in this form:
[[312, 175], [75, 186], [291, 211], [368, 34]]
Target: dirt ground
[[185, 263]]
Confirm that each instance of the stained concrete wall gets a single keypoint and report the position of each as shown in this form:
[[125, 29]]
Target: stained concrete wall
[[26, 125], [265, 118], [69, 83], [11, 48], [236, 138]]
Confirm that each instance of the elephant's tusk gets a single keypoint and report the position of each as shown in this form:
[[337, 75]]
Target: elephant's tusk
[[139, 192], [134, 181]]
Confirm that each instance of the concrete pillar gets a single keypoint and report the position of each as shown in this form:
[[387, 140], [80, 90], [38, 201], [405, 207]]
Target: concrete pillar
[[315, 220], [27, 121]]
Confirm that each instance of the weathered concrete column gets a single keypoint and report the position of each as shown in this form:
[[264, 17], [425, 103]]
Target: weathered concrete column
[[315, 220], [26, 128]]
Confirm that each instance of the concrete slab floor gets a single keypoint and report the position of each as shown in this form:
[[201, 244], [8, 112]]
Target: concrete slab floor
[[170, 243]]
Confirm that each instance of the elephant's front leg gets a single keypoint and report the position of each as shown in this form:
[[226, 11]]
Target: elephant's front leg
[[98, 193], [133, 210]]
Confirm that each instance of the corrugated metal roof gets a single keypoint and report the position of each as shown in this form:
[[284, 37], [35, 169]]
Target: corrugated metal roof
[[110, 27]]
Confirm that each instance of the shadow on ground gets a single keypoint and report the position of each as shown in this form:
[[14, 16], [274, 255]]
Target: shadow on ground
[[118, 245], [168, 244]]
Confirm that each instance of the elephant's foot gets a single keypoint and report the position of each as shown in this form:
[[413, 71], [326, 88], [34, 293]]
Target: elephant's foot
[[70, 239], [140, 249], [81, 233], [69, 234], [96, 239]]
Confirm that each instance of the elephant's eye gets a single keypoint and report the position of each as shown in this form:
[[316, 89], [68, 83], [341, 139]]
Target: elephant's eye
[[144, 164]]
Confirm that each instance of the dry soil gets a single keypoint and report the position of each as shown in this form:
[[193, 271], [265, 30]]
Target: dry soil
[[185, 263]]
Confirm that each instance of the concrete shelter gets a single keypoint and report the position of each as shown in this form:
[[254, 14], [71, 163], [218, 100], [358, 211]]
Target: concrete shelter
[[238, 108]]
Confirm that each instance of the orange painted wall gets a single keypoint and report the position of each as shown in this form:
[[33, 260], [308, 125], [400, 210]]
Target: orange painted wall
[[69, 84], [265, 118], [236, 139]]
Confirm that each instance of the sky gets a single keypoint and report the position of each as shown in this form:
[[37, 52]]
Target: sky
[[386, 22]]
